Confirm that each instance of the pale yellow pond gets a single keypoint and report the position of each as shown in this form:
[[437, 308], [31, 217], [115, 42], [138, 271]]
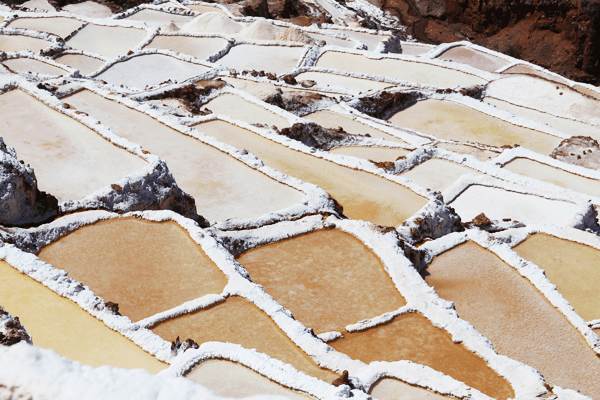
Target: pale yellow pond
[[239, 108], [199, 47], [393, 389], [437, 174], [474, 58], [31, 65], [379, 154], [59, 26], [341, 81], [84, 64], [108, 41], [10, 43]]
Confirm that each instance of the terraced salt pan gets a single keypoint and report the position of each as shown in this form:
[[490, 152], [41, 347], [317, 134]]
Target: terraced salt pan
[[277, 59], [59, 26], [587, 91], [24, 65], [239, 321], [553, 175], [413, 337], [231, 190], [399, 69], [333, 120], [372, 41], [452, 121], [356, 84], [70, 160], [84, 64], [474, 58], [363, 195], [515, 316], [569, 126], [204, 9], [437, 174], [89, 9], [317, 296], [332, 40], [481, 155], [413, 49], [59, 324], [159, 18], [145, 267], [542, 95], [573, 267], [392, 389], [150, 69], [498, 204], [526, 69], [371, 153], [237, 107], [10, 43], [108, 41], [199, 47], [228, 379]]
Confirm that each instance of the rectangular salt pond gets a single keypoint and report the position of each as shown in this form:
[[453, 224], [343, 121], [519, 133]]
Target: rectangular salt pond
[[199, 47], [238, 108], [498, 204], [332, 80], [481, 155], [553, 175], [159, 18], [393, 389], [9, 43], [363, 195], [515, 316], [437, 174], [474, 58], [333, 120], [277, 59], [372, 41], [146, 267], [317, 296], [23, 65], [451, 121], [70, 160], [150, 69], [573, 267], [239, 321], [59, 26], [204, 9], [378, 154], [413, 337], [231, 190], [57, 323], [108, 41], [84, 64], [398, 69], [229, 379]]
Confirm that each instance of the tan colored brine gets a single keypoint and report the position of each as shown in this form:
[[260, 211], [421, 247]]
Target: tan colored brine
[[393, 389], [378, 154], [437, 174], [242, 109]]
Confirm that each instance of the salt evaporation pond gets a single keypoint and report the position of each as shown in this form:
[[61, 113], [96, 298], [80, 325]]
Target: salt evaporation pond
[[108, 41], [84, 64], [10, 43], [277, 59], [159, 18], [481, 155], [415, 49], [239, 108], [70, 160], [204, 9], [24, 65], [57, 323], [59, 26], [371, 40], [232, 190], [358, 85], [413, 337], [333, 120], [451, 121], [379, 154], [363, 195], [437, 174], [519, 321], [499, 204], [393, 389], [199, 47], [130, 262], [559, 177], [528, 70], [228, 379], [150, 69], [474, 58], [573, 267], [238, 321], [399, 69], [317, 296]]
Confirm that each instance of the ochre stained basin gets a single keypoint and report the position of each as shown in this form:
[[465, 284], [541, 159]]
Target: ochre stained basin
[[378, 154], [452, 121], [474, 58], [393, 389], [481, 155], [238, 108], [199, 47], [413, 337], [364, 196], [145, 267], [31, 65], [515, 316], [70, 160], [277, 59], [57, 25], [437, 174], [10, 43], [232, 190], [333, 120], [349, 284], [57, 323], [239, 321], [108, 41], [399, 69], [84, 64], [229, 379], [573, 267]]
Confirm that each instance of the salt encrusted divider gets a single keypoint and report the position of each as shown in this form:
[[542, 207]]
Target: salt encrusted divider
[[329, 336], [316, 199], [442, 48], [185, 308], [156, 7]]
